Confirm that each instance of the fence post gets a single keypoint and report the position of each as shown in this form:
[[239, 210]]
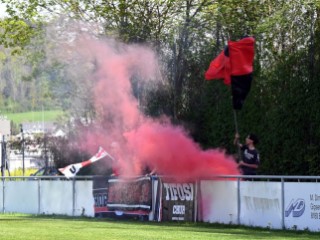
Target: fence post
[[238, 201], [73, 196], [3, 193], [282, 203], [195, 204], [153, 198], [39, 196]]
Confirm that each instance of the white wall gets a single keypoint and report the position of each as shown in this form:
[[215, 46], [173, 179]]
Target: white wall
[[84, 201], [47, 197], [302, 206], [261, 204], [218, 201], [1, 196], [56, 197], [21, 196]]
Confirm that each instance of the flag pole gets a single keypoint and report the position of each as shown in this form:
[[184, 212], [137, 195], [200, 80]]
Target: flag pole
[[237, 132], [235, 120]]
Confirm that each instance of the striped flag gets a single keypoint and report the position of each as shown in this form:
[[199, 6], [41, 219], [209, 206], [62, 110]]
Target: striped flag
[[72, 169]]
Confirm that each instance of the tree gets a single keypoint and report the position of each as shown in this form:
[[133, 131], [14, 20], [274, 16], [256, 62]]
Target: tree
[[282, 106]]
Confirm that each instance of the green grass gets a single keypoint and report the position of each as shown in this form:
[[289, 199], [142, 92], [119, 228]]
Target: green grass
[[32, 227], [46, 116]]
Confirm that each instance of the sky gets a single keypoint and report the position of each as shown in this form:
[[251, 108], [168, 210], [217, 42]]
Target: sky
[[2, 10]]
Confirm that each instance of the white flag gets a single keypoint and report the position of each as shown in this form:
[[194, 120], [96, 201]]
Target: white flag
[[72, 169]]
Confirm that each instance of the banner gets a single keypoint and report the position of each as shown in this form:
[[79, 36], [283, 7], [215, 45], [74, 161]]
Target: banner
[[131, 194], [146, 197], [118, 198], [178, 201], [302, 205], [100, 196]]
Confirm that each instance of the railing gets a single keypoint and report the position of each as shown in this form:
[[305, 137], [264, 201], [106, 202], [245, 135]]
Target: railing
[[266, 201]]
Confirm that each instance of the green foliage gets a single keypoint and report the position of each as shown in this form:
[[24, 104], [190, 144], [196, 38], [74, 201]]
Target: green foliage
[[15, 34], [282, 107], [214, 118]]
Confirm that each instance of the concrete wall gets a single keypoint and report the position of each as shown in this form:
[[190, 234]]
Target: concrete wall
[[72, 198], [278, 205]]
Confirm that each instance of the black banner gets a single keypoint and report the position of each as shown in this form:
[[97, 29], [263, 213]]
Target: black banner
[[178, 201], [100, 195], [132, 194]]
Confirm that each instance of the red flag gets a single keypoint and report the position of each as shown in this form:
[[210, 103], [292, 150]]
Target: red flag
[[219, 69], [241, 56], [235, 66]]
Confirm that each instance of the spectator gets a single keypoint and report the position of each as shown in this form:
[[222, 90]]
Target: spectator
[[250, 158]]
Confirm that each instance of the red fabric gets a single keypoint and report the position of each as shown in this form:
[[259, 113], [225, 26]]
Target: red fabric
[[219, 69], [115, 171], [241, 56], [86, 163]]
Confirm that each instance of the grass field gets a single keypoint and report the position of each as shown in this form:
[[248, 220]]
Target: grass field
[[46, 116], [14, 226]]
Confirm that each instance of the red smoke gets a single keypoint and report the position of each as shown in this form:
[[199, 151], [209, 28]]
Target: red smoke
[[172, 152], [132, 138]]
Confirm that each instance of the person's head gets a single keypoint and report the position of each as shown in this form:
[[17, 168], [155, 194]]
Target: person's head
[[252, 138]]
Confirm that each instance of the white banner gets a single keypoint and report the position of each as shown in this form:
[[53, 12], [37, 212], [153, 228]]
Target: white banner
[[261, 204], [302, 206]]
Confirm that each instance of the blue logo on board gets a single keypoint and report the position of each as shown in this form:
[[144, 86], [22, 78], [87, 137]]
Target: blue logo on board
[[296, 207]]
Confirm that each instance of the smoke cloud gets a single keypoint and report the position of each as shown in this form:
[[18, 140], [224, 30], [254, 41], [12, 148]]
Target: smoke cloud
[[133, 139]]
